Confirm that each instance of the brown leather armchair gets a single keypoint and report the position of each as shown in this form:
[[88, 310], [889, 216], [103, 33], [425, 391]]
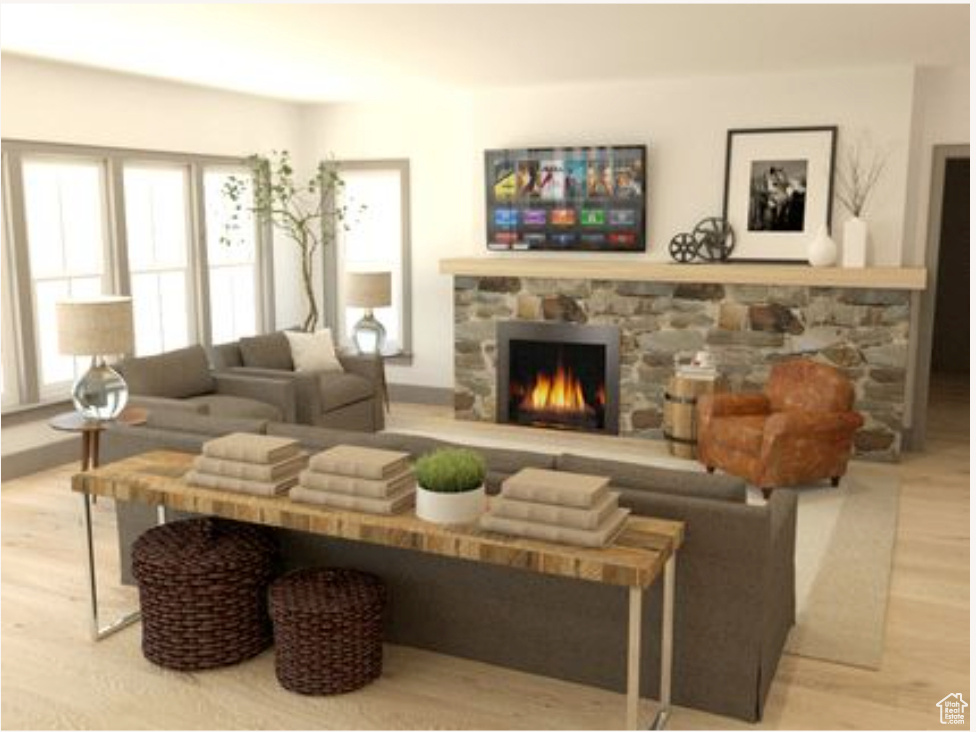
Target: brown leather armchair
[[799, 430]]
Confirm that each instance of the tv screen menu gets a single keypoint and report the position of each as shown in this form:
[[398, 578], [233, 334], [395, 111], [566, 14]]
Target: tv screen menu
[[590, 199]]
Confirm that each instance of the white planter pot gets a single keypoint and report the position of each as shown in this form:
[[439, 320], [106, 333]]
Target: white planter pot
[[451, 508], [822, 250], [855, 252]]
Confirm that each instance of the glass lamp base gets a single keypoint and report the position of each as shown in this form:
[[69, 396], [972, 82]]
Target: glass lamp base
[[101, 393], [369, 335]]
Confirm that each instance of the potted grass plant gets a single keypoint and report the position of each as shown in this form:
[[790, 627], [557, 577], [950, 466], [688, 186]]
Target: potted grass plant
[[450, 486]]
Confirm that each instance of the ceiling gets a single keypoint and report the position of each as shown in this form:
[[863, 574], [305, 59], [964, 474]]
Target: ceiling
[[337, 52]]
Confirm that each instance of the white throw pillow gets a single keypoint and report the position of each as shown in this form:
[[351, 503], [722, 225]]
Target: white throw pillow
[[313, 351]]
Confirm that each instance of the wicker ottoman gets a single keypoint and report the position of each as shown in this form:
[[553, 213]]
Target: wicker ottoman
[[328, 630], [202, 589]]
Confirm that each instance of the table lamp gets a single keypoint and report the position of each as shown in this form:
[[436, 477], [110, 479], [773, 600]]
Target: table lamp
[[97, 327], [368, 290]]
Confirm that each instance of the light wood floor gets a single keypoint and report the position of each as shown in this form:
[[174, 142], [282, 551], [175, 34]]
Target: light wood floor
[[54, 677]]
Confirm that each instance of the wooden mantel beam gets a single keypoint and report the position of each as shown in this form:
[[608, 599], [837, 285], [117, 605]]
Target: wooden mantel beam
[[890, 278]]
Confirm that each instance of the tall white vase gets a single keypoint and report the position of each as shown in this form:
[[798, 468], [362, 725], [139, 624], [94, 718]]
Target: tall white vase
[[822, 250], [855, 252]]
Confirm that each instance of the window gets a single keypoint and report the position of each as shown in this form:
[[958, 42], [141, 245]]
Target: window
[[232, 261], [376, 194], [157, 228], [80, 221], [66, 234]]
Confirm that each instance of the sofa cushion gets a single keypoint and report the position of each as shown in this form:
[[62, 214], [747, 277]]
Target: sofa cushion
[[321, 438], [339, 389], [658, 480], [740, 432], [504, 463], [416, 445], [269, 351], [223, 405], [203, 424], [226, 356], [176, 374]]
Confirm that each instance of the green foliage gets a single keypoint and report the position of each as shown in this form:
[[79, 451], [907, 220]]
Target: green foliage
[[309, 214], [450, 470]]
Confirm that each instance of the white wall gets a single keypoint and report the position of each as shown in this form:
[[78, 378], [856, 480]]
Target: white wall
[[435, 134], [683, 121], [444, 134], [941, 117], [53, 102]]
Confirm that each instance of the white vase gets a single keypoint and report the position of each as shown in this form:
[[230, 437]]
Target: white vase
[[822, 250], [855, 252], [451, 508]]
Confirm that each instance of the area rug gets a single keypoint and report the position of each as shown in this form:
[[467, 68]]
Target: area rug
[[844, 545]]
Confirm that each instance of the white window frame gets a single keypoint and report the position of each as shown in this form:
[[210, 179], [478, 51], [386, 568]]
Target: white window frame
[[11, 364]]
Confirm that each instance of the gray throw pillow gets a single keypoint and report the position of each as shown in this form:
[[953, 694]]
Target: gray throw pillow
[[269, 351]]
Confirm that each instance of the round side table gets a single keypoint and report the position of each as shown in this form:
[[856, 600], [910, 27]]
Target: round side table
[[91, 429]]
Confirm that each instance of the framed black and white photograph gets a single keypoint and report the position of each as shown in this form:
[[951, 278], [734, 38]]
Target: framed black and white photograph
[[778, 190]]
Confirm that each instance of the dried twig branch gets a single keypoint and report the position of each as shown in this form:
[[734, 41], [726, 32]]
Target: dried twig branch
[[858, 173]]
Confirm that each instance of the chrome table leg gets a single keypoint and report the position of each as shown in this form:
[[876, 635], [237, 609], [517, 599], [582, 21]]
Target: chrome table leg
[[667, 647], [633, 657], [98, 632]]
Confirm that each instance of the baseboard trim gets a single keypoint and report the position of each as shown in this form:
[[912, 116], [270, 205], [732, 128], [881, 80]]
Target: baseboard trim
[[414, 394], [35, 459]]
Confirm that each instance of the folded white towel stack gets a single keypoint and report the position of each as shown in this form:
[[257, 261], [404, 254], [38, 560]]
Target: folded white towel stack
[[554, 505], [358, 479], [261, 465]]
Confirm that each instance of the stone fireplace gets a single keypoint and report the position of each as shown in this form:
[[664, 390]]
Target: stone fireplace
[[560, 375], [862, 330]]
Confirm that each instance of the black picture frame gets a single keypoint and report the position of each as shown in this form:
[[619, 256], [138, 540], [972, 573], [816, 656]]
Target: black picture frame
[[780, 152]]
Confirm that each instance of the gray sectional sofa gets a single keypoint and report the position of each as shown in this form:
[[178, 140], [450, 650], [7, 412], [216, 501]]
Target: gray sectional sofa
[[254, 378], [735, 575]]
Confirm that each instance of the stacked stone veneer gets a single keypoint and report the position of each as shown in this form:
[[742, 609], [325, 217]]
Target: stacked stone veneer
[[862, 331]]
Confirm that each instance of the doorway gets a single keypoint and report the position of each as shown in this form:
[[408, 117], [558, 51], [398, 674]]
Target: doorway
[[942, 359], [950, 331]]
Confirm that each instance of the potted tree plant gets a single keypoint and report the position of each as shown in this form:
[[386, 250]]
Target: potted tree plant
[[450, 486], [310, 214]]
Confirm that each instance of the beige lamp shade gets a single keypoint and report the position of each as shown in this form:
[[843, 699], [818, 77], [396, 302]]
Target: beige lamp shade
[[368, 289], [95, 327]]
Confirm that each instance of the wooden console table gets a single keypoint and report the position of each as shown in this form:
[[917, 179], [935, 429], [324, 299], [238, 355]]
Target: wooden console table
[[644, 552]]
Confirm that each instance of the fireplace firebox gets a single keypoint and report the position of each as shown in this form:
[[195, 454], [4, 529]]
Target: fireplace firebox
[[559, 375]]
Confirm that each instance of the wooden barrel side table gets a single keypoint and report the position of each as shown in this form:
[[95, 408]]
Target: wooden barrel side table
[[680, 415]]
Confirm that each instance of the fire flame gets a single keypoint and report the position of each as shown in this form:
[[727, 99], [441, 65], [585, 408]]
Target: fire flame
[[558, 392]]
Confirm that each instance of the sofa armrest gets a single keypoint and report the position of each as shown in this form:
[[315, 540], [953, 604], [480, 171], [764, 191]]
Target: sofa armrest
[[779, 607], [369, 367], [373, 369], [806, 424], [277, 392], [731, 405], [153, 404], [723, 405], [308, 399]]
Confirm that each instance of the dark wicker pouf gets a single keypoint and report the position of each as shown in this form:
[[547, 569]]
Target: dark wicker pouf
[[328, 630], [202, 589]]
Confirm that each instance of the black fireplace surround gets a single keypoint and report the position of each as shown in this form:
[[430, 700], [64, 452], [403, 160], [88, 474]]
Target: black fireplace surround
[[559, 375]]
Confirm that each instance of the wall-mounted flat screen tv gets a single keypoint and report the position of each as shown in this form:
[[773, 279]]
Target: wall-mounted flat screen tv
[[567, 198]]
